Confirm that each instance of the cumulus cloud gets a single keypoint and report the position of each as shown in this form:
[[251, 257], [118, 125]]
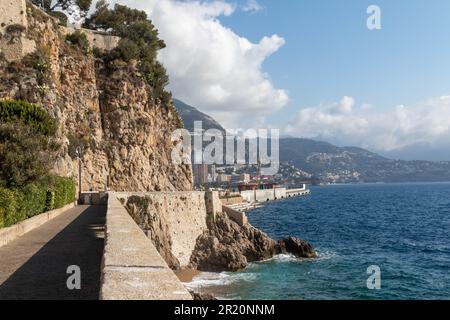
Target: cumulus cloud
[[252, 6], [341, 122], [210, 66]]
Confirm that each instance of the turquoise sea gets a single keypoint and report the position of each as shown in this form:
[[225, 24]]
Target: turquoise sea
[[402, 228]]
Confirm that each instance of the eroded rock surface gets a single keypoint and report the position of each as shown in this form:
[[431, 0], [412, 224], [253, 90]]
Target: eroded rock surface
[[226, 246], [112, 115]]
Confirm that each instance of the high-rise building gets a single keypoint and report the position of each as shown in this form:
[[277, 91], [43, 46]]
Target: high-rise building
[[200, 172], [212, 173]]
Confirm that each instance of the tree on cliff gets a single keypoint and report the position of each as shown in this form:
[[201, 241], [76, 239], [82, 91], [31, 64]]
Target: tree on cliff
[[83, 5], [77, 9], [139, 42]]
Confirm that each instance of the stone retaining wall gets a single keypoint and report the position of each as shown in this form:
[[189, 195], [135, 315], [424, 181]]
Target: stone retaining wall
[[132, 268], [186, 213], [237, 216], [15, 48]]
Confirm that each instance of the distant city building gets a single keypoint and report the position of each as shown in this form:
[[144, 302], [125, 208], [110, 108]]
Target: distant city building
[[240, 178], [200, 172], [212, 173], [223, 178]]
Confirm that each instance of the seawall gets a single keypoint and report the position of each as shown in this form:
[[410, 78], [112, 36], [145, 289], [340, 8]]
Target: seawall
[[186, 213], [265, 195], [132, 268]]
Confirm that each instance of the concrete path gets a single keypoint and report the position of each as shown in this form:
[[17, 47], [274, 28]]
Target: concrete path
[[34, 266]]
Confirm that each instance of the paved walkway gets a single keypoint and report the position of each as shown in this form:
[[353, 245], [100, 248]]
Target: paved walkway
[[34, 266]]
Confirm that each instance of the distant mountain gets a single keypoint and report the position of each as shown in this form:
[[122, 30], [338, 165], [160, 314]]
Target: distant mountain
[[350, 164], [333, 164], [190, 114]]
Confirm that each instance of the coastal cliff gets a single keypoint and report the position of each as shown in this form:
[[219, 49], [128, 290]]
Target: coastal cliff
[[187, 237], [112, 115]]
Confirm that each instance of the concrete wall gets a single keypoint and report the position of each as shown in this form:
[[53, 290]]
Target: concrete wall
[[237, 216], [11, 233], [132, 268], [232, 200], [264, 195], [12, 12], [186, 213], [96, 39], [280, 193], [15, 48]]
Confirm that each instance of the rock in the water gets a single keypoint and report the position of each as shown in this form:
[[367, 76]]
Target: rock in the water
[[202, 296], [226, 246], [297, 247]]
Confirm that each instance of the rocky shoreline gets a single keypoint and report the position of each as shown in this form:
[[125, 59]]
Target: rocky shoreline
[[223, 246], [226, 246]]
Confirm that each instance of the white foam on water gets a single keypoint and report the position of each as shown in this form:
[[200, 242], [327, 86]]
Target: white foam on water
[[209, 279], [282, 258], [326, 255]]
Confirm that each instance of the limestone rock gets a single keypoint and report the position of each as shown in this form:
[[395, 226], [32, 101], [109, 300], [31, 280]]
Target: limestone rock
[[226, 246], [124, 132], [202, 296], [297, 247]]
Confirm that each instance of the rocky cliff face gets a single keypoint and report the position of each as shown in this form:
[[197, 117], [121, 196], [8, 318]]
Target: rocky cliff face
[[124, 133], [226, 246]]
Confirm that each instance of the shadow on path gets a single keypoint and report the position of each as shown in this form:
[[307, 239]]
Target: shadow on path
[[44, 275]]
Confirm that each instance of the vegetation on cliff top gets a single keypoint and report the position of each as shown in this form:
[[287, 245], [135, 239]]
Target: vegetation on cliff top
[[139, 42], [82, 5]]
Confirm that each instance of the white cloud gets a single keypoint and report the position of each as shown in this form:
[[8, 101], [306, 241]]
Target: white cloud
[[252, 6], [210, 66], [341, 122]]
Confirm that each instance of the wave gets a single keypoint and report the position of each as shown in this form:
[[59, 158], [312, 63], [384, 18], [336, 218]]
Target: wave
[[326, 255], [209, 279], [286, 258]]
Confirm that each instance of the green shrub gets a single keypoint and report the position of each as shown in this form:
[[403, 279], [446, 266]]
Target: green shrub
[[47, 3], [50, 201], [64, 189], [17, 205], [39, 60], [8, 207], [28, 146], [29, 114], [60, 16], [15, 28], [33, 200], [140, 202], [79, 40]]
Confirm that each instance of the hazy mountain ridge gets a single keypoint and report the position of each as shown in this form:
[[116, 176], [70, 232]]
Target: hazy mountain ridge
[[190, 114], [333, 164], [351, 164]]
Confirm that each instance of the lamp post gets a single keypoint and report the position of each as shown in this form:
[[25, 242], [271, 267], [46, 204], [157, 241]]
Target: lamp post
[[78, 153]]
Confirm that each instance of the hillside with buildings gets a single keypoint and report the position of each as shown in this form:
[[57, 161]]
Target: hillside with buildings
[[310, 161]]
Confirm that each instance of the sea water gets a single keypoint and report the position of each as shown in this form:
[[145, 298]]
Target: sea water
[[404, 229]]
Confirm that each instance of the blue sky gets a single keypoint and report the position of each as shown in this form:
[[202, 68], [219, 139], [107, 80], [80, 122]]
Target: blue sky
[[330, 53], [313, 69]]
